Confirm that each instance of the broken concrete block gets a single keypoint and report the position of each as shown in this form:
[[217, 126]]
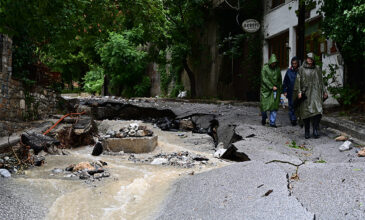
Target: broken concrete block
[[159, 161], [219, 153], [98, 149], [341, 138], [83, 166], [131, 144], [5, 173], [38, 142], [186, 124], [361, 153], [345, 146], [232, 154]]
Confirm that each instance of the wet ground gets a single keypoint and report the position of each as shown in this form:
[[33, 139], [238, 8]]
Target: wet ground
[[308, 179]]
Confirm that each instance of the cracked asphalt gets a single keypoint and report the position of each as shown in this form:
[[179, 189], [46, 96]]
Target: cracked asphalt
[[330, 184]]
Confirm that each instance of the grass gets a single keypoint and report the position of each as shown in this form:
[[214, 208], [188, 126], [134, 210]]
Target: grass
[[320, 161], [294, 145]]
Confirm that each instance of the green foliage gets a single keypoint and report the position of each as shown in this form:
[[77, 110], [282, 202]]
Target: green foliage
[[143, 88], [123, 60], [293, 144], [344, 23], [320, 161], [94, 80], [345, 95]]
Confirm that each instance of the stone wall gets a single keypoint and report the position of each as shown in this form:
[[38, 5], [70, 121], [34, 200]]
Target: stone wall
[[16, 103]]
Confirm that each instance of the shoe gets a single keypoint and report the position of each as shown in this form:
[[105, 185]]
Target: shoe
[[307, 128], [273, 126], [263, 121], [316, 120], [294, 123]]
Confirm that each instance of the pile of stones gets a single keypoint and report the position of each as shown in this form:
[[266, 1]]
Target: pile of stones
[[183, 159], [133, 130], [84, 170]]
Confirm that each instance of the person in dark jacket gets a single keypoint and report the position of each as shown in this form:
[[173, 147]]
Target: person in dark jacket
[[288, 86], [309, 83]]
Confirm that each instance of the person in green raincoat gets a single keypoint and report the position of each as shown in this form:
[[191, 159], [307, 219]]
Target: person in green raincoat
[[310, 88], [270, 90]]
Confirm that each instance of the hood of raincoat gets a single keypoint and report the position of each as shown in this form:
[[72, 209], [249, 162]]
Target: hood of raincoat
[[273, 59]]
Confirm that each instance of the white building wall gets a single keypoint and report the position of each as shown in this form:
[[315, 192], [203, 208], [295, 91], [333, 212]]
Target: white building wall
[[283, 18]]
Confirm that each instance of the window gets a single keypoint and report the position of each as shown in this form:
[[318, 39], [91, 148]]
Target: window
[[278, 46], [275, 3]]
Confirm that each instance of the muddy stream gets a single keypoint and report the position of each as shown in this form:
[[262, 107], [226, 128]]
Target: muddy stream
[[133, 190]]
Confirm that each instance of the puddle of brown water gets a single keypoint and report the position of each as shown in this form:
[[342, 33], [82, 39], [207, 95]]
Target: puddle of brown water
[[133, 191]]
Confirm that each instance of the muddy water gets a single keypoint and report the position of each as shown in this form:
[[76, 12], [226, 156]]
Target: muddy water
[[133, 191]]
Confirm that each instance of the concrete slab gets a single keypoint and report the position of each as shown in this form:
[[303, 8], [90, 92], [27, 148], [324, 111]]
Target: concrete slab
[[131, 144], [234, 192], [332, 191]]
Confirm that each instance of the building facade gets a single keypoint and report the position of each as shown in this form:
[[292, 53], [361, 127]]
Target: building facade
[[280, 37]]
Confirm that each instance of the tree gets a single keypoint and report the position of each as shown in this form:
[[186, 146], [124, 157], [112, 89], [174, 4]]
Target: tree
[[183, 17], [344, 23]]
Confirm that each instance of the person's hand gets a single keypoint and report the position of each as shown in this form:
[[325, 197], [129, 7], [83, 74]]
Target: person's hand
[[285, 94], [274, 88], [325, 95], [299, 95]]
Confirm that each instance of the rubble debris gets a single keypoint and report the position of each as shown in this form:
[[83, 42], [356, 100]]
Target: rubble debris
[[186, 124], [87, 170], [80, 134], [227, 134], [232, 154], [57, 170], [98, 149], [38, 160], [159, 161], [219, 153], [347, 145], [341, 138], [83, 166], [39, 142], [268, 193], [182, 159], [361, 152], [5, 173]]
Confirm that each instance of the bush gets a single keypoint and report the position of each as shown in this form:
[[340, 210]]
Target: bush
[[94, 80]]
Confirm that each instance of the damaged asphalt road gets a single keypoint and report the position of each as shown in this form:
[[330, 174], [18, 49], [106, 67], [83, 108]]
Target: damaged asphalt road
[[328, 184]]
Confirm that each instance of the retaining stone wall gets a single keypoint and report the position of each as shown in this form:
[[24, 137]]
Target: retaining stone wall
[[16, 103]]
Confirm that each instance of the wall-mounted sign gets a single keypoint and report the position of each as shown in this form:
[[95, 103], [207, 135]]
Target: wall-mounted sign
[[251, 25]]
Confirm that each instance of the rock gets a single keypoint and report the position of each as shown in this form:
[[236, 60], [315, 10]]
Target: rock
[[186, 124], [84, 175], [98, 149], [220, 145], [219, 153], [341, 138], [106, 174], [361, 153], [83, 166], [57, 170], [38, 160], [159, 161], [6, 158], [5, 173], [345, 146], [98, 175], [133, 126], [38, 142], [92, 172], [70, 168]]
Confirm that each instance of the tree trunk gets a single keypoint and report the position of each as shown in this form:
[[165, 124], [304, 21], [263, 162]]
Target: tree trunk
[[191, 77], [104, 91], [301, 31]]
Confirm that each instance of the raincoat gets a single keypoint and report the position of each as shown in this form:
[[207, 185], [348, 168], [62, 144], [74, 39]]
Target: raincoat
[[269, 78], [310, 82]]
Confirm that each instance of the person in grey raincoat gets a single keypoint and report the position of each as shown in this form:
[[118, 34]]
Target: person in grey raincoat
[[288, 86], [270, 90], [309, 87]]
